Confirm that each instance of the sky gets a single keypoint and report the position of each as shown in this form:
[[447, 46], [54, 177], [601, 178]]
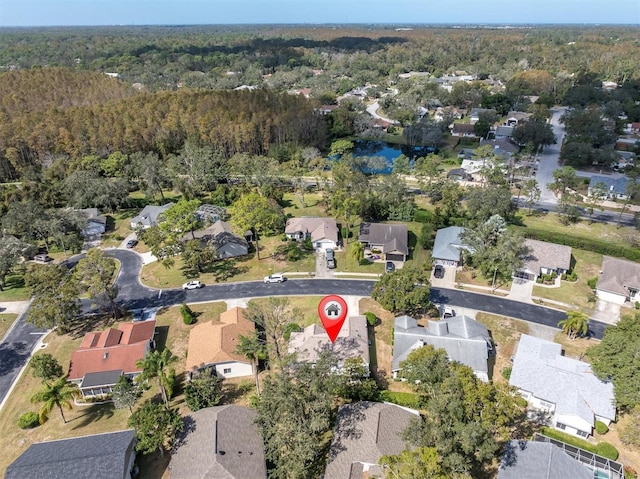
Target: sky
[[185, 12]]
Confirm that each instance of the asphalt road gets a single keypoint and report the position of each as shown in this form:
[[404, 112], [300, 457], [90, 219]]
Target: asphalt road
[[548, 159], [20, 342]]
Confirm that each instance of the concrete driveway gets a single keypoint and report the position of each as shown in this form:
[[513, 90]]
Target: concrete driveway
[[521, 290], [606, 312], [449, 280]]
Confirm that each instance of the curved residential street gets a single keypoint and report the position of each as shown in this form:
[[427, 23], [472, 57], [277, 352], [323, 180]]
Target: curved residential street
[[22, 338]]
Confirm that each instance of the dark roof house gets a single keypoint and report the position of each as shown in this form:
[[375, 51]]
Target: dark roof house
[[545, 258], [615, 188], [100, 456], [364, 432], [539, 460], [220, 234], [391, 239], [220, 442]]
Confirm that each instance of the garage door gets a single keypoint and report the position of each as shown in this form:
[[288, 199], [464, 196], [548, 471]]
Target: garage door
[[395, 257]]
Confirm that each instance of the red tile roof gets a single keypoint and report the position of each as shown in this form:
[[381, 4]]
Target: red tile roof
[[113, 349]]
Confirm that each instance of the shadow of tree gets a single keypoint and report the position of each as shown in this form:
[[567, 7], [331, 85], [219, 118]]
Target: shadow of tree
[[93, 413]]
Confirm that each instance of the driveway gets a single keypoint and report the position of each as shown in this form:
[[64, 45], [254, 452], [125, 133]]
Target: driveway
[[521, 290], [321, 266], [606, 312], [449, 280]]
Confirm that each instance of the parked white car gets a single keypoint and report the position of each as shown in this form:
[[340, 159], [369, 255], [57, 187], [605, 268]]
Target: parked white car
[[192, 285], [275, 278]]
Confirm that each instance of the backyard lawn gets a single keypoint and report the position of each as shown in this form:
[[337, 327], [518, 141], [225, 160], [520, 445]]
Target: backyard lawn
[[313, 205], [14, 289]]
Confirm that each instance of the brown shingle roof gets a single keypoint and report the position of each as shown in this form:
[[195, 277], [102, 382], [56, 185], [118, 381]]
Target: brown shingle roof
[[100, 352], [392, 238], [214, 341], [546, 255], [318, 228]]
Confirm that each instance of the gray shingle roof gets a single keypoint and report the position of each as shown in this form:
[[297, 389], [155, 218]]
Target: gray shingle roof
[[616, 186], [101, 378], [220, 442], [149, 215], [448, 243], [101, 456], [365, 431], [317, 228], [618, 273], [464, 339], [540, 368], [392, 238], [546, 255], [538, 460]]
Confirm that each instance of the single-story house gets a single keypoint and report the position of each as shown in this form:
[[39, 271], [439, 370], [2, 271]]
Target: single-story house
[[463, 130], [149, 215], [523, 460], [352, 342], [212, 345], [474, 115], [100, 456], [448, 246], [458, 174], [211, 213], [503, 132], [614, 188], [220, 442], [323, 232], [103, 356], [619, 281], [391, 239], [544, 258], [503, 147], [465, 340], [96, 224], [366, 431], [565, 388], [220, 234], [514, 118]]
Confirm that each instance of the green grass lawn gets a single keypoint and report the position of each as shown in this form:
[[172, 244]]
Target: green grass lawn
[[6, 320], [14, 289], [313, 205], [306, 307], [578, 293]]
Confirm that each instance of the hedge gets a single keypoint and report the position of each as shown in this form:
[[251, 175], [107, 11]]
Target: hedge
[[601, 428], [603, 449], [589, 244], [401, 399]]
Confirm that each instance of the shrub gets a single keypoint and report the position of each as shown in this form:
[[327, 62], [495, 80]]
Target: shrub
[[371, 318], [601, 428], [291, 328], [401, 399], [630, 473], [28, 420], [607, 450], [187, 314], [637, 304], [591, 282], [506, 373]]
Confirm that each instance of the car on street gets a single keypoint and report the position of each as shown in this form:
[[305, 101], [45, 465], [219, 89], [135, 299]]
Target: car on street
[[132, 243], [275, 278], [438, 272], [389, 267], [192, 285]]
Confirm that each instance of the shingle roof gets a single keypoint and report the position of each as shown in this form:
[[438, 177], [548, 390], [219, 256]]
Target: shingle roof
[[540, 368], [448, 243], [538, 460], [102, 378], [221, 235], [618, 273], [149, 215], [463, 128], [317, 228], [617, 186], [352, 341], [519, 115], [112, 349], [365, 431], [391, 237], [214, 341], [101, 456], [220, 442], [546, 255], [464, 339]]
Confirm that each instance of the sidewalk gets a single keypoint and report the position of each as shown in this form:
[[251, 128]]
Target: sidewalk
[[14, 307]]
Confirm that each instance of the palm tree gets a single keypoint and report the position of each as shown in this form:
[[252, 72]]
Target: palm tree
[[156, 365], [576, 324], [253, 348], [58, 393]]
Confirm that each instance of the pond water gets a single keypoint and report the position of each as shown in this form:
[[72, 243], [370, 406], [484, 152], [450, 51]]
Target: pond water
[[388, 151]]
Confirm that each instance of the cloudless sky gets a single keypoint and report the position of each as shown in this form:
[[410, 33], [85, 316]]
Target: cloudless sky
[[182, 12]]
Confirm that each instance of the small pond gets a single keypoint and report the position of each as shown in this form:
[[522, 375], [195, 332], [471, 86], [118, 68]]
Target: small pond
[[389, 151]]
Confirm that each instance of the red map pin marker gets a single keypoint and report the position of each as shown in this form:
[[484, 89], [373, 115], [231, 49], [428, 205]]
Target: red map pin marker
[[332, 311]]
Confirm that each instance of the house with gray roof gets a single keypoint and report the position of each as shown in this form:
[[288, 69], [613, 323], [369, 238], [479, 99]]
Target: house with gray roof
[[149, 215], [614, 188], [366, 431], [352, 342], [465, 340], [539, 460], [448, 246], [220, 442], [391, 239], [565, 388], [323, 232], [220, 234], [515, 118], [503, 132], [95, 225], [619, 281], [100, 456], [544, 258]]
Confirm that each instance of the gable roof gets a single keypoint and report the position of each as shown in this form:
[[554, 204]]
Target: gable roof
[[213, 342], [618, 274], [539, 460], [546, 255], [149, 215], [616, 186], [463, 128], [366, 431], [221, 235], [518, 115], [448, 243], [112, 349], [392, 237], [352, 341], [464, 339], [540, 368], [502, 146], [317, 228], [220, 442], [505, 131], [100, 456]]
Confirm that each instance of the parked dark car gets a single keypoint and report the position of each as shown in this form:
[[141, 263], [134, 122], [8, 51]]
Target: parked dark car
[[439, 271], [389, 267], [132, 243]]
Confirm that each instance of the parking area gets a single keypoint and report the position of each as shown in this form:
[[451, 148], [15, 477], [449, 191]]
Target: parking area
[[322, 271], [449, 279]]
